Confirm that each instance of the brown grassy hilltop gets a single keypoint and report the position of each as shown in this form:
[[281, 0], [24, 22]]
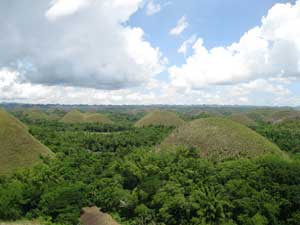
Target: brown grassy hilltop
[[17, 147], [158, 117], [93, 216], [76, 116], [242, 119], [219, 139]]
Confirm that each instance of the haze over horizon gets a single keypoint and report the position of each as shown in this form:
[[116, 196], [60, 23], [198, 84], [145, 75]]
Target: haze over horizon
[[150, 52]]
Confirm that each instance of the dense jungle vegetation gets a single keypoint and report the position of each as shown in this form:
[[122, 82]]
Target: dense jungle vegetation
[[118, 169], [285, 134]]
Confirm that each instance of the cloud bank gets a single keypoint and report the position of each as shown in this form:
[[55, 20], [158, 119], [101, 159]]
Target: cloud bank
[[83, 43], [87, 53], [269, 50]]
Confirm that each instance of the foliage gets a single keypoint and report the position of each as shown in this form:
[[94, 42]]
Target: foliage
[[99, 141], [285, 134], [118, 168], [144, 187]]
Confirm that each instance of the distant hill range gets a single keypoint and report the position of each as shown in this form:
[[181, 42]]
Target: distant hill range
[[35, 114]]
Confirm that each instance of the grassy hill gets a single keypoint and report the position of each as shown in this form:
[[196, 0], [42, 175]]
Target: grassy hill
[[30, 113], [18, 148], [55, 114], [35, 114], [281, 115], [260, 115], [93, 216], [76, 116], [219, 139], [242, 119], [73, 116], [96, 118], [157, 117], [273, 115]]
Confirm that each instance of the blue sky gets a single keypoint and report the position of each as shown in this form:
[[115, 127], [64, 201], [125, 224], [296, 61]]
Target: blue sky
[[150, 52], [218, 22]]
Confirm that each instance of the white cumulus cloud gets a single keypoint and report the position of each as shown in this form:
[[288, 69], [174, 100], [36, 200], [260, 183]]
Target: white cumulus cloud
[[269, 50], [186, 45], [83, 43], [61, 8], [274, 92], [86, 53]]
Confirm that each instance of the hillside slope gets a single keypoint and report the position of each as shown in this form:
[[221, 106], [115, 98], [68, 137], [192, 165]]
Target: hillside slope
[[93, 216], [279, 116], [18, 148], [96, 118], [157, 117], [73, 116], [219, 139], [76, 116], [242, 119]]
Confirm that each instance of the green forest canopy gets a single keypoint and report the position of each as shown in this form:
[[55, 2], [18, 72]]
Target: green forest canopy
[[117, 168]]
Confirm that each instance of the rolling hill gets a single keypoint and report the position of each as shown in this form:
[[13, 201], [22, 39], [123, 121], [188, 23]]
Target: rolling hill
[[281, 115], [259, 115], [35, 114], [93, 216], [219, 139], [242, 119], [73, 116], [18, 148], [76, 116], [96, 118], [163, 118], [273, 115]]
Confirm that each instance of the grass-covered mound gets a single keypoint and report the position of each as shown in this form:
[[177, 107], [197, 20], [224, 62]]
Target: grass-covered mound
[[273, 115], [242, 119], [93, 216], [73, 116], [35, 114], [160, 118], [76, 116], [281, 115], [261, 114], [18, 149], [96, 118], [219, 139], [32, 114]]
